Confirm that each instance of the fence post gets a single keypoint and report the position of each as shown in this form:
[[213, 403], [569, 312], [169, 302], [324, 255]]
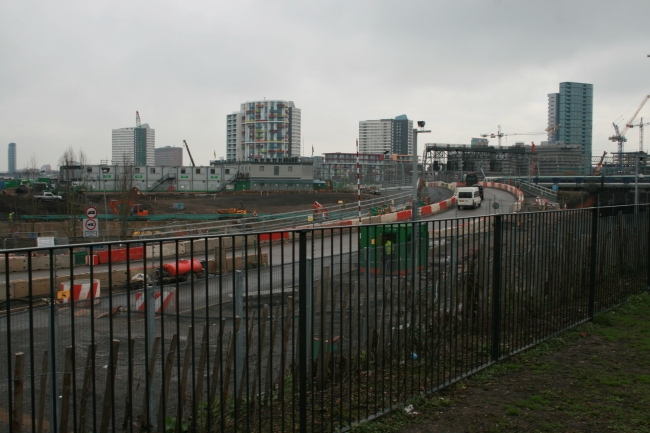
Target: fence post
[[302, 320], [496, 291], [53, 349], [648, 250], [238, 300], [592, 265]]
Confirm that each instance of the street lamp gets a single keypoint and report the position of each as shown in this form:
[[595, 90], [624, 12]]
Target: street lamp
[[414, 207], [104, 171]]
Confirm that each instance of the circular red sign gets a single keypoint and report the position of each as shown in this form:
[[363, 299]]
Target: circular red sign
[[91, 212], [90, 224]]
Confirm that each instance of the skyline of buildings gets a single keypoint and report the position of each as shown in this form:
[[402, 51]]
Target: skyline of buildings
[[169, 156], [134, 145], [387, 135], [11, 158], [570, 116], [263, 129]]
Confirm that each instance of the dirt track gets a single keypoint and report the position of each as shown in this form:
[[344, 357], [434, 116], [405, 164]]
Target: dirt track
[[262, 203]]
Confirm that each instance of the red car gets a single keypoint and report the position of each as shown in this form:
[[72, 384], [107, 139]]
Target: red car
[[184, 271]]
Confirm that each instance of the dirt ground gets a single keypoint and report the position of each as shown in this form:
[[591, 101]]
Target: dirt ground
[[590, 379], [263, 203]]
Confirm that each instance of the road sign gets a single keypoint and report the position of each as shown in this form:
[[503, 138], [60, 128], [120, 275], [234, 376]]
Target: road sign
[[91, 212], [495, 205], [91, 228]]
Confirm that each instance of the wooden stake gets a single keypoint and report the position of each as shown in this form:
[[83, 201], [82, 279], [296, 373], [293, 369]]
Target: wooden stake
[[108, 392], [198, 397], [85, 390], [186, 366], [231, 355], [288, 321], [169, 365], [41, 394], [17, 426], [258, 367], [269, 372], [217, 365], [65, 398], [129, 399]]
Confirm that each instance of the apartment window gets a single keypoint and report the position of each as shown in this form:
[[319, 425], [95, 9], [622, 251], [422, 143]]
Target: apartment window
[[261, 168], [213, 171], [182, 171], [227, 171], [290, 168], [152, 170], [89, 170], [276, 170], [137, 170], [198, 171]]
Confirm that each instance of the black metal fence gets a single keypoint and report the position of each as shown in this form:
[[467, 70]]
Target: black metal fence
[[312, 330]]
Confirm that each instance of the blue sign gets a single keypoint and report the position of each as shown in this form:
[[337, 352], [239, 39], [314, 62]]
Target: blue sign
[[555, 188]]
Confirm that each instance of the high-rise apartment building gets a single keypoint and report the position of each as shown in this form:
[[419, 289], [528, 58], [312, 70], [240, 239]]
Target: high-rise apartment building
[[386, 135], [134, 146], [11, 158], [169, 156], [570, 116], [263, 129]]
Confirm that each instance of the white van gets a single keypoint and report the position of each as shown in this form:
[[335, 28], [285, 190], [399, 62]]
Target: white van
[[468, 197]]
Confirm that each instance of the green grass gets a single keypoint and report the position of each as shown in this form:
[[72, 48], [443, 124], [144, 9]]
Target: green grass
[[592, 378]]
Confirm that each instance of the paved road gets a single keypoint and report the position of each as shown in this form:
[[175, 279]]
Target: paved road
[[337, 244]]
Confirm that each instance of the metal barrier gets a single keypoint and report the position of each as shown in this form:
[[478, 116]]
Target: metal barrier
[[317, 332]]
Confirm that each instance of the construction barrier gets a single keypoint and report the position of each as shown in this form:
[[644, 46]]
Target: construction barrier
[[162, 304], [81, 291], [511, 189]]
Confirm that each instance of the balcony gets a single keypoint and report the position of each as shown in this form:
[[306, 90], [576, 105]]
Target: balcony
[[260, 105]]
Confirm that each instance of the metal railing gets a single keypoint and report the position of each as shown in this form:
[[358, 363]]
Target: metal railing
[[317, 330], [538, 190]]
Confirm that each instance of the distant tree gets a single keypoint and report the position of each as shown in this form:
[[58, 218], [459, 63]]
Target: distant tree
[[71, 180]]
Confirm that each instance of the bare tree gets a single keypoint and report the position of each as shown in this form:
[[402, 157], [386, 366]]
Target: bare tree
[[124, 185], [70, 178]]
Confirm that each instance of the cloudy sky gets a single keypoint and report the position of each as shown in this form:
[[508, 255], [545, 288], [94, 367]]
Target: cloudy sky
[[72, 71]]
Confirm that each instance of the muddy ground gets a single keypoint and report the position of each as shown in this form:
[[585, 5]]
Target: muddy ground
[[157, 204]]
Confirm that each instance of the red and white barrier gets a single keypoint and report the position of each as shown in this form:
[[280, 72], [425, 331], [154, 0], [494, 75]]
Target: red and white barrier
[[511, 189], [81, 291], [162, 304]]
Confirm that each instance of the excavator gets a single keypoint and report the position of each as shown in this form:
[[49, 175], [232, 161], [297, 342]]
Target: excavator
[[318, 208], [600, 164], [136, 209]]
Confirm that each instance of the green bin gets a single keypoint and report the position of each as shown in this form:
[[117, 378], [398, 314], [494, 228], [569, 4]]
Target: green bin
[[80, 257]]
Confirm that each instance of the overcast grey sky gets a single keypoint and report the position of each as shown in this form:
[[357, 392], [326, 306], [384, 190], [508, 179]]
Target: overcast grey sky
[[72, 71]]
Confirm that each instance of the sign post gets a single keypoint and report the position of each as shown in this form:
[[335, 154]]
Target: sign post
[[91, 227]]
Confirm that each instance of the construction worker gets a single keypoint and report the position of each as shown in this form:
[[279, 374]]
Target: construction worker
[[388, 247]]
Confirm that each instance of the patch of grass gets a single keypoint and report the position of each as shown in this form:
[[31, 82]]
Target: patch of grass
[[578, 407], [550, 426], [513, 411], [643, 378], [603, 319], [614, 380], [542, 368]]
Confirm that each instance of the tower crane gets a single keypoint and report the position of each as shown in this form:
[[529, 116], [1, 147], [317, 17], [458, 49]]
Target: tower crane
[[189, 153], [137, 120], [619, 137], [500, 134], [640, 125]]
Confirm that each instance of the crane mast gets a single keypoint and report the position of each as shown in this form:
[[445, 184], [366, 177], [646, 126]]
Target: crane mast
[[619, 137], [189, 153], [137, 120]]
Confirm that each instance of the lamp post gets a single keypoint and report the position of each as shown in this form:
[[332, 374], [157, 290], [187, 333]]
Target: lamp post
[[414, 207], [105, 170]]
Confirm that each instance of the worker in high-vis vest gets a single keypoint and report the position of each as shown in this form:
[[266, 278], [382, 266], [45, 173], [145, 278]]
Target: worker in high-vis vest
[[388, 247]]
